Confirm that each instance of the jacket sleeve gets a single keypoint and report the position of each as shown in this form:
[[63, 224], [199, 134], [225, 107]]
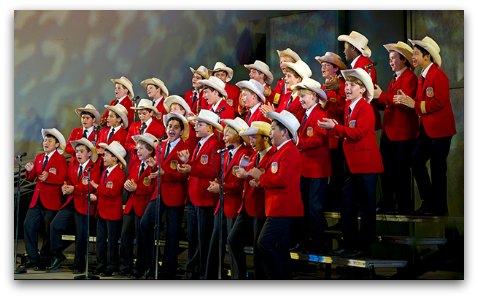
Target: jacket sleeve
[[440, 95]]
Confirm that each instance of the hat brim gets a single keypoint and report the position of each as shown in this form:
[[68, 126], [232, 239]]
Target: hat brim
[[392, 47], [267, 73], [144, 138], [215, 125], [250, 86], [201, 73], [88, 144], [178, 100], [229, 71], [185, 122], [213, 85], [339, 63], [57, 134], [315, 89], [366, 52], [157, 83], [94, 112], [436, 56], [120, 113], [110, 149]]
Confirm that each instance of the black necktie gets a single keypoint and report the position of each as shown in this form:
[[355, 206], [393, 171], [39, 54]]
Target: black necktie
[[248, 116], [168, 148], [304, 120], [105, 176], [112, 132], [423, 79], [44, 163], [80, 172], [85, 133], [195, 97], [348, 116], [229, 159], [115, 102], [290, 101], [141, 170], [394, 77], [143, 128], [197, 150], [258, 159]]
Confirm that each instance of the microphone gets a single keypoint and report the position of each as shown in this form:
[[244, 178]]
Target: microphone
[[22, 155], [135, 98], [225, 149], [89, 168], [218, 112]]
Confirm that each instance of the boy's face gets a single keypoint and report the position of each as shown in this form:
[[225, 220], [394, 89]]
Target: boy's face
[[145, 114], [153, 91], [256, 75], [178, 109], [249, 98], [417, 58], [120, 91], [50, 144], [290, 78], [174, 130], [202, 129], [109, 159], [87, 121], [231, 138], [195, 79], [349, 52], [82, 153], [113, 120], [353, 90], [258, 142], [142, 151], [306, 98], [221, 74], [212, 96], [282, 60], [328, 70], [395, 62]]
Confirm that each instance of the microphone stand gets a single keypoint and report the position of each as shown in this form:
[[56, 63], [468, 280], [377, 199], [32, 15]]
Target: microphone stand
[[221, 215], [17, 208], [87, 275], [157, 220]]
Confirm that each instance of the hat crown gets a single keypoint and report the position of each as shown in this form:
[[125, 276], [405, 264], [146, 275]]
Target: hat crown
[[219, 66], [260, 64], [145, 103], [300, 67], [431, 43], [290, 120], [217, 81], [202, 69], [210, 116], [117, 148], [262, 127], [89, 107], [258, 85], [404, 46], [289, 52], [359, 38], [120, 108]]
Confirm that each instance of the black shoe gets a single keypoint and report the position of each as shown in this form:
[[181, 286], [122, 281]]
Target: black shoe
[[55, 264], [106, 274], [28, 265], [122, 273], [148, 274], [79, 271]]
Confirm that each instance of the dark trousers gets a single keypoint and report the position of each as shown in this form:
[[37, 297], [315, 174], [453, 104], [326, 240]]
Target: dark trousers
[[273, 244], [81, 239], [203, 230], [129, 232], [243, 227], [38, 218], [107, 236], [213, 257], [432, 192], [314, 194], [63, 221], [334, 191], [396, 178], [174, 217], [358, 197], [147, 254], [192, 263]]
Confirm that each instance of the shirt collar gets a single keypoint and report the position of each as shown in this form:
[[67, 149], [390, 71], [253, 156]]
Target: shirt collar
[[204, 139], [309, 110], [425, 71], [398, 73], [353, 104], [280, 146], [173, 144], [214, 107], [254, 108], [354, 61], [121, 99], [110, 169]]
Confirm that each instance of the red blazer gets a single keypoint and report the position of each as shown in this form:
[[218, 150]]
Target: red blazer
[[139, 199], [360, 143], [295, 107], [313, 146], [76, 134], [256, 116], [233, 186], [204, 168], [119, 136], [174, 185], [154, 128], [127, 103], [200, 104], [400, 123], [334, 108], [110, 195], [433, 104], [275, 96], [254, 197], [364, 62], [192, 140], [80, 193], [232, 100], [281, 182], [227, 111], [49, 191]]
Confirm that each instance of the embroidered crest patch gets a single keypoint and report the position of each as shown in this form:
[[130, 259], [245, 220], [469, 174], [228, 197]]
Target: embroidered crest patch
[[310, 131], [204, 159], [274, 167], [430, 92]]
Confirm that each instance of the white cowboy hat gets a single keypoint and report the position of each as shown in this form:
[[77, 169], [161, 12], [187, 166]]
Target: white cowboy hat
[[332, 58], [221, 66], [312, 85], [262, 67], [288, 52], [125, 82], [57, 134], [216, 84], [401, 48], [156, 82], [358, 41], [121, 111], [89, 145], [201, 70], [147, 138], [258, 128], [239, 125], [254, 86], [288, 120], [116, 149], [431, 46], [90, 109], [145, 103], [183, 119], [176, 99], [300, 67], [363, 76], [210, 118]]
